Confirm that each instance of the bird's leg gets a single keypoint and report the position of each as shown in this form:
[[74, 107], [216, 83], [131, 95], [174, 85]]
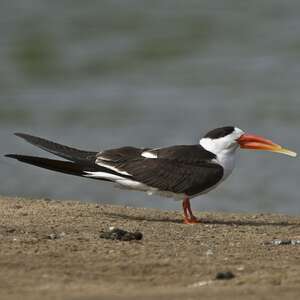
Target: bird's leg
[[189, 218]]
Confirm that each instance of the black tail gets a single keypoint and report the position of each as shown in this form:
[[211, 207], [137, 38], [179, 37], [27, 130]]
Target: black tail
[[65, 167], [63, 151], [79, 162]]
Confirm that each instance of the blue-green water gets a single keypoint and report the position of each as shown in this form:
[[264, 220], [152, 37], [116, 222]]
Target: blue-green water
[[101, 74]]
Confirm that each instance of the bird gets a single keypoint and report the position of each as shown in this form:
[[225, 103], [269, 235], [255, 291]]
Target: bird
[[182, 172]]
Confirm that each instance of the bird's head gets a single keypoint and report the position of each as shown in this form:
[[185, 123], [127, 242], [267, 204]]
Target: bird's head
[[230, 138]]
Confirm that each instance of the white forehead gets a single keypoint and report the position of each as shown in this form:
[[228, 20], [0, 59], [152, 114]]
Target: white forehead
[[236, 133]]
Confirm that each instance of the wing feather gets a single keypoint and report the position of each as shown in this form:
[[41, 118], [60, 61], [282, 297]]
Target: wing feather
[[179, 169], [174, 176]]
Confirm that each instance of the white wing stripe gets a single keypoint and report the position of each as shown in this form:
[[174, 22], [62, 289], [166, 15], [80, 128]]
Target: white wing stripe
[[101, 164], [103, 175], [148, 154]]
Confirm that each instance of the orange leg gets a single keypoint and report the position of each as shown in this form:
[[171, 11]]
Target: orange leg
[[189, 218]]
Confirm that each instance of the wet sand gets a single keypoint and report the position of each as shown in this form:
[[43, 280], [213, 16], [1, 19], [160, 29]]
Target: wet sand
[[52, 250]]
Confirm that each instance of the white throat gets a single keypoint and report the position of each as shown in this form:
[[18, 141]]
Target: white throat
[[225, 157], [227, 161], [225, 149]]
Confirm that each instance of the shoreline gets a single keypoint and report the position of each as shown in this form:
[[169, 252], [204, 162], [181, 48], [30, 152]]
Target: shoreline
[[52, 249]]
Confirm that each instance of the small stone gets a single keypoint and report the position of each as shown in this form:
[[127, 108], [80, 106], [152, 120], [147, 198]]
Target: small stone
[[284, 242], [47, 199], [224, 275], [200, 283], [121, 235], [56, 236], [52, 236], [209, 252]]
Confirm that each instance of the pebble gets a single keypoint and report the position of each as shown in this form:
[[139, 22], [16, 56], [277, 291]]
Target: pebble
[[209, 252], [200, 283], [224, 275], [55, 236], [121, 235], [283, 242], [47, 199]]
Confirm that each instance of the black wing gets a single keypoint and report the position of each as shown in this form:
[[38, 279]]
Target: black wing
[[174, 176], [184, 153], [179, 169], [120, 154]]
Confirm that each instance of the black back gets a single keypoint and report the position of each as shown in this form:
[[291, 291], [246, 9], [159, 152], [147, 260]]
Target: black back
[[185, 169]]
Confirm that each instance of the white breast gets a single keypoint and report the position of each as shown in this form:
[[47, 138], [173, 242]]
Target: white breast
[[225, 151], [227, 161]]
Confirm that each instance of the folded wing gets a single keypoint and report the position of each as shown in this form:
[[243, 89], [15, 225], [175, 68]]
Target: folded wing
[[179, 169]]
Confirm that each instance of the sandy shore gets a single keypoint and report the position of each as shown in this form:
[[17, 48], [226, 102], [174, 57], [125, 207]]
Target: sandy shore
[[173, 261]]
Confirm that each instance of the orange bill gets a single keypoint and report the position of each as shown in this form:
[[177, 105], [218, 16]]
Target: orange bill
[[255, 142]]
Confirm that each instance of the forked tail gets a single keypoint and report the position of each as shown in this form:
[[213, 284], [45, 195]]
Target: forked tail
[[80, 162], [65, 167]]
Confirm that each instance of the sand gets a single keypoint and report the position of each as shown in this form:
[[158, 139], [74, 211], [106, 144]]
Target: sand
[[52, 250]]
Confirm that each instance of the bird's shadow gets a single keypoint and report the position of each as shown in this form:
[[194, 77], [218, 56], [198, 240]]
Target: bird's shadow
[[205, 221]]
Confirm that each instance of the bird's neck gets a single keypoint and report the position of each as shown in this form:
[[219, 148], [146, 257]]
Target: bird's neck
[[227, 160], [225, 157]]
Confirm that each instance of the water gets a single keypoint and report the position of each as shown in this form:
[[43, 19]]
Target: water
[[151, 73]]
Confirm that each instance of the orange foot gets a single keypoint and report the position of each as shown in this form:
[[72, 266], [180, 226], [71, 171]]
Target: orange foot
[[191, 221]]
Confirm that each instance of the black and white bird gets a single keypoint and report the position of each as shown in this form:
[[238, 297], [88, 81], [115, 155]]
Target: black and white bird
[[181, 172]]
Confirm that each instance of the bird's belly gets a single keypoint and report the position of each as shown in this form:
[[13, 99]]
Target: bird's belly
[[138, 186]]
